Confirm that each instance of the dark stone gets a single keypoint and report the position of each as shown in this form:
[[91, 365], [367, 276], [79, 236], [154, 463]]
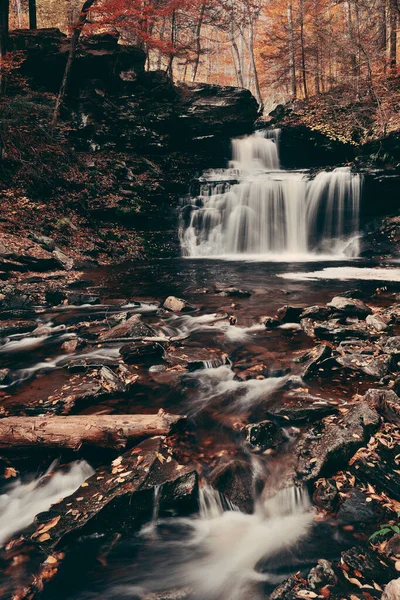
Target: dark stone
[[234, 479], [232, 292], [321, 575], [54, 297], [330, 449], [271, 323], [356, 509], [289, 314], [333, 331], [392, 345], [364, 561], [312, 359], [301, 412], [349, 307], [16, 326], [386, 402], [132, 327], [318, 313], [380, 469], [326, 495], [263, 435], [284, 590], [141, 352], [374, 366], [79, 298]]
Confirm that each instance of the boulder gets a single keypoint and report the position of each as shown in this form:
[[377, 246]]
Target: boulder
[[362, 564], [175, 304], [349, 307], [138, 353], [311, 360], [322, 575], [392, 590], [331, 448], [386, 402], [317, 313], [336, 332], [377, 322], [64, 261], [359, 509], [234, 479], [18, 253], [133, 327], [289, 314], [374, 366]]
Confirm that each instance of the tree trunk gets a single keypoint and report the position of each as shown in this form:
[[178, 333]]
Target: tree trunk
[[236, 53], [105, 431], [4, 14], [303, 50], [171, 56], [392, 50], [317, 74], [292, 67], [198, 41], [76, 32], [32, 14], [382, 25]]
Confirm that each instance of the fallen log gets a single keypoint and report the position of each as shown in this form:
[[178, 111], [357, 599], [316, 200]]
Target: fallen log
[[106, 431]]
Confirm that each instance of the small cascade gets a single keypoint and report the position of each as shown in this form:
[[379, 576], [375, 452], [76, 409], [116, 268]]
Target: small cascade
[[254, 208]]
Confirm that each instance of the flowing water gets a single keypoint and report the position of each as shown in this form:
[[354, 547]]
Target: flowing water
[[254, 208], [256, 227]]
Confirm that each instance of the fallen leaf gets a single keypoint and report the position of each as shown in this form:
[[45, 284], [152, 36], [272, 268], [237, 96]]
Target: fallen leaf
[[46, 527]]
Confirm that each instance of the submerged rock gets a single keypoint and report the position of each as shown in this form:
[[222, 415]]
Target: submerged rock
[[232, 292], [141, 352]]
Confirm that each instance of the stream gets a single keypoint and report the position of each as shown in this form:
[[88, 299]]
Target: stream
[[225, 369]]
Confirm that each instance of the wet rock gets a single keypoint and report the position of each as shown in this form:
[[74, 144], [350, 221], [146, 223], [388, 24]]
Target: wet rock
[[209, 363], [378, 322], [70, 346], [374, 366], [79, 298], [132, 327], [263, 435], [18, 253], [175, 304], [386, 402], [349, 307], [118, 498], [289, 314], [12, 298], [307, 326], [379, 467], [301, 411], [312, 359], [64, 261], [317, 313], [4, 374], [284, 590], [13, 326], [334, 331], [331, 448], [393, 546], [55, 297], [141, 352], [366, 566], [270, 322], [326, 495], [81, 390], [392, 346], [392, 590], [358, 509], [234, 479], [321, 575], [232, 292]]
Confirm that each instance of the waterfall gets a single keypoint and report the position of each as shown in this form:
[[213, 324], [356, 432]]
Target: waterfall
[[254, 208]]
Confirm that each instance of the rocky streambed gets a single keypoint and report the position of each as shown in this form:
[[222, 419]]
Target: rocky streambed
[[185, 402]]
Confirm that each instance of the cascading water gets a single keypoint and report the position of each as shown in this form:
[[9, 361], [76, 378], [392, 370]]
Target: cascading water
[[255, 208]]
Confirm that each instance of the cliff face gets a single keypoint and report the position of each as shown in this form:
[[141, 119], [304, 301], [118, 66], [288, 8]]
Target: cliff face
[[131, 140]]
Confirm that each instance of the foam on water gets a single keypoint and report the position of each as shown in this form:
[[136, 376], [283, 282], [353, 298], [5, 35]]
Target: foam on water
[[21, 502], [348, 273]]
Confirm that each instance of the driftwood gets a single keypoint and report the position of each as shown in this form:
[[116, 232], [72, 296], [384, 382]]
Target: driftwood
[[107, 431]]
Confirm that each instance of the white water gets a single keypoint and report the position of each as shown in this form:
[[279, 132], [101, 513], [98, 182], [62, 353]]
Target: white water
[[255, 209], [347, 274], [219, 554], [21, 502], [219, 385]]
